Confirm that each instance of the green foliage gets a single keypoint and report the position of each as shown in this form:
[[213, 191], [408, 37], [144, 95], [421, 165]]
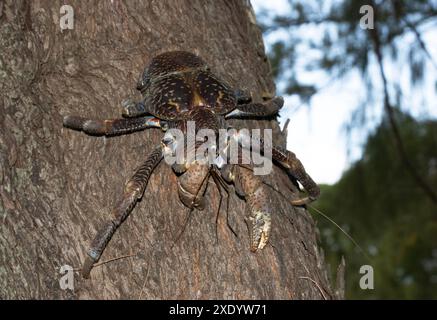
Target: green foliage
[[327, 37], [380, 205]]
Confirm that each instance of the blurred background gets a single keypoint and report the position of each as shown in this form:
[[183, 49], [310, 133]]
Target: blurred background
[[361, 99]]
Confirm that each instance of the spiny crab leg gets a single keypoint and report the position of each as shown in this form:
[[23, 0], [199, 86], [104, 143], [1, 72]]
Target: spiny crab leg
[[133, 191], [113, 127], [289, 162]]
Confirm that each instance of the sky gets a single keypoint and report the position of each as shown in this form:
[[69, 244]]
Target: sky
[[316, 133]]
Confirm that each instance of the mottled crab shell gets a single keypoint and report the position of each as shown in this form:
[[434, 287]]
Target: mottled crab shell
[[178, 82]]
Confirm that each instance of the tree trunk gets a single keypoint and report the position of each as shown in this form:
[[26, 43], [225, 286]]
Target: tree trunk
[[58, 186]]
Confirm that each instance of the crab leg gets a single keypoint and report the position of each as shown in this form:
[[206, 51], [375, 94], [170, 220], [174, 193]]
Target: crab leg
[[133, 191], [112, 127], [258, 205], [252, 188], [257, 110], [293, 166], [289, 162]]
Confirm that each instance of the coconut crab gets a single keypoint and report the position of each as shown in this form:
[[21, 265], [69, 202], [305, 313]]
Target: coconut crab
[[178, 87]]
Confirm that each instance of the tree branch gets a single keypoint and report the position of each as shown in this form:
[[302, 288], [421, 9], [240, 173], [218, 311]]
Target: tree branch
[[389, 111], [413, 28]]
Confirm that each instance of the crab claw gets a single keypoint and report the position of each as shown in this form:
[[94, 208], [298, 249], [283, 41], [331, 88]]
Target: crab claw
[[259, 229], [259, 218], [258, 206]]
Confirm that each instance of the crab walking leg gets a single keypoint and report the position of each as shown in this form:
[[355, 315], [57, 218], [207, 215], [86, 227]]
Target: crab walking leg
[[258, 205], [293, 166], [257, 110], [112, 127], [133, 191], [289, 162]]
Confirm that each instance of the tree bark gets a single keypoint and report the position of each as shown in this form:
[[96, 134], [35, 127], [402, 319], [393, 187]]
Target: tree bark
[[58, 186]]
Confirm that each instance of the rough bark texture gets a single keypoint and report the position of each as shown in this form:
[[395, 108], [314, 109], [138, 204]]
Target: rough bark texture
[[57, 186]]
